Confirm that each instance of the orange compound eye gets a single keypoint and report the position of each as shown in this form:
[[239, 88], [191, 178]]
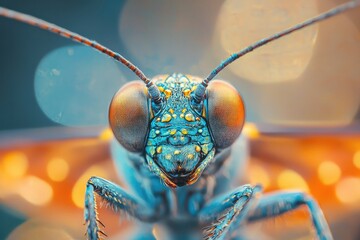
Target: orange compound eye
[[225, 113], [129, 116]]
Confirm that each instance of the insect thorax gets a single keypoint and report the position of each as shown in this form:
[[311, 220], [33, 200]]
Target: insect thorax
[[179, 139]]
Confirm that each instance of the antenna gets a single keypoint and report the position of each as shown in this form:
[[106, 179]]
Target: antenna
[[200, 90], [21, 17]]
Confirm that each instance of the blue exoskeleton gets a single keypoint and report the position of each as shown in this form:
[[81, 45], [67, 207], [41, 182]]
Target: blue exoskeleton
[[188, 145], [182, 131]]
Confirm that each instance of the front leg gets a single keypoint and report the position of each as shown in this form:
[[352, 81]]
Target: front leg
[[227, 210], [118, 199], [278, 203]]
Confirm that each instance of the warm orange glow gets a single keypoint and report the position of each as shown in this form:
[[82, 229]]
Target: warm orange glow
[[14, 164], [35, 190], [289, 179], [78, 191], [356, 159], [258, 174], [57, 169], [329, 172], [106, 134], [348, 190], [251, 130]]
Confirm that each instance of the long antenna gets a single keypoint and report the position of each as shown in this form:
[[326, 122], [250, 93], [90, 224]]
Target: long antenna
[[200, 90], [21, 17]]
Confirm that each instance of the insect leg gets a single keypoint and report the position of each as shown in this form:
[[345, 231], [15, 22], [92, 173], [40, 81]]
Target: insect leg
[[225, 210], [278, 203], [119, 200]]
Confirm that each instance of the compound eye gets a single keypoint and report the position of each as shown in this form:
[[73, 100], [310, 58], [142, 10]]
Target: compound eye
[[225, 113], [129, 116]]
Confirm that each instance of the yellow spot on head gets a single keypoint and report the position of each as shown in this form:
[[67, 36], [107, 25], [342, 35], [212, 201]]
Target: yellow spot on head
[[182, 115], [167, 156], [184, 110], [161, 89], [157, 132], [197, 148], [167, 93], [172, 131], [203, 112], [186, 92], [329, 172], [174, 116], [176, 152], [205, 148], [166, 118], [289, 179], [57, 169], [193, 88], [190, 156], [158, 119], [197, 119], [159, 149], [189, 117], [171, 110], [184, 131]]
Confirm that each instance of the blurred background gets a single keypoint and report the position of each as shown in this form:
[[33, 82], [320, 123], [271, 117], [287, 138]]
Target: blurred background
[[301, 94]]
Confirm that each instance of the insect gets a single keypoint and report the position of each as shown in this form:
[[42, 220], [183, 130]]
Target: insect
[[180, 128]]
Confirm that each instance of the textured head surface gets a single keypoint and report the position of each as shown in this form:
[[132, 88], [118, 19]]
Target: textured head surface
[[179, 144]]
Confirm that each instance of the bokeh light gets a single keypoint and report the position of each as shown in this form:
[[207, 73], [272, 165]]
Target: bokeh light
[[35, 190], [85, 91], [250, 130], [309, 78], [289, 179], [259, 175], [348, 190], [168, 36], [242, 23], [356, 159], [329, 172], [106, 134], [14, 164], [57, 169]]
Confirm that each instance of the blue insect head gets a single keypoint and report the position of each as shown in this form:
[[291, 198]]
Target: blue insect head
[[179, 145]]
